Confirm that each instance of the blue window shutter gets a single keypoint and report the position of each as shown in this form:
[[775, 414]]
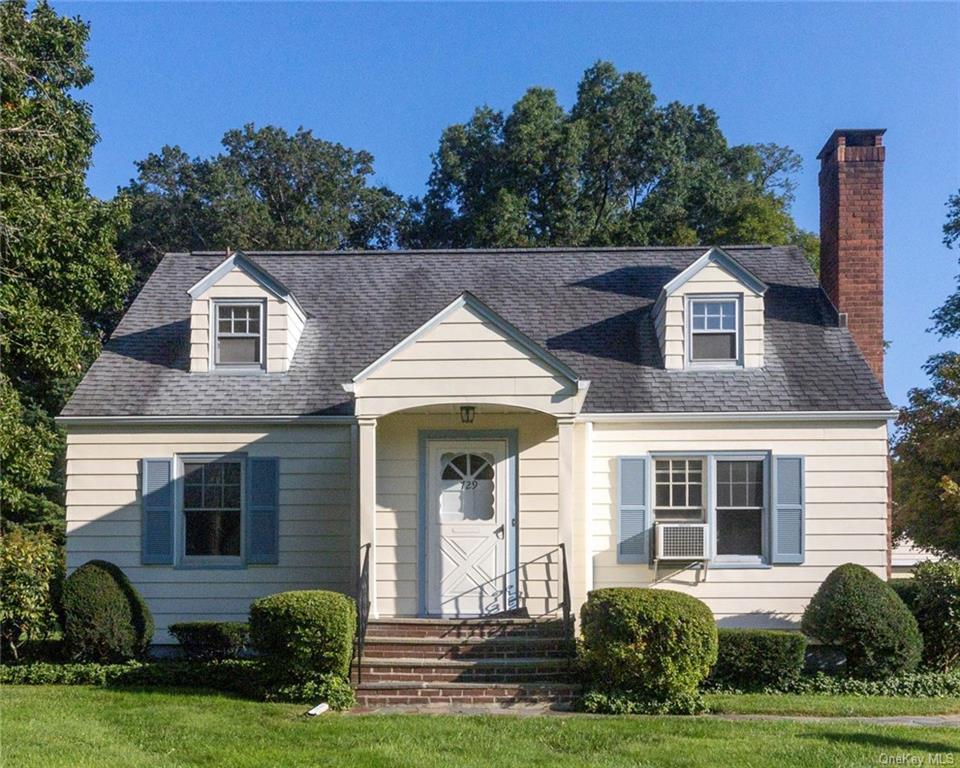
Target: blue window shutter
[[263, 508], [787, 525], [156, 493], [633, 512]]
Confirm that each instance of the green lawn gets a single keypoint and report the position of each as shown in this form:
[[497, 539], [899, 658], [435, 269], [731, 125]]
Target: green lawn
[[829, 705], [79, 726]]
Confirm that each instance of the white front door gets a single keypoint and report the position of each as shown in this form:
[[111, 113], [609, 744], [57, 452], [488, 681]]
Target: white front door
[[467, 503]]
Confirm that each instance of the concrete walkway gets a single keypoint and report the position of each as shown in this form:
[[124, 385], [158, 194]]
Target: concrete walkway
[[540, 710]]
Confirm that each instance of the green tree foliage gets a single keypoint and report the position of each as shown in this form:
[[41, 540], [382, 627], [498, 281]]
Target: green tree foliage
[[927, 449], [60, 272], [28, 564], [268, 189], [616, 169]]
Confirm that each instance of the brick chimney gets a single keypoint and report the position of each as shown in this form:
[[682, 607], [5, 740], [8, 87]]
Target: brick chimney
[[851, 235]]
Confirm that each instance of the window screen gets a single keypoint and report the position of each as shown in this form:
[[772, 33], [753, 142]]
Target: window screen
[[740, 502]]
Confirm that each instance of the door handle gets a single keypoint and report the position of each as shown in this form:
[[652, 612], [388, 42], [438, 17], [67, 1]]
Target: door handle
[[499, 532]]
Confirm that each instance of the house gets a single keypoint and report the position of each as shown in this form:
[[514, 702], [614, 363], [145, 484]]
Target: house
[[478, 432]]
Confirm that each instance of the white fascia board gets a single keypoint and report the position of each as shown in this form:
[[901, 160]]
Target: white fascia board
[[239, 261], [467, 299], [715, 416], [68, 421], [726, 262]]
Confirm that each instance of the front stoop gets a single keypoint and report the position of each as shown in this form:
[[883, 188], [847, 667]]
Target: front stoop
[[465, 662]]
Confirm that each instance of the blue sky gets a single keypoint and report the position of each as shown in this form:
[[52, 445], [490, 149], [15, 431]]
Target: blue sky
[[389, 78]]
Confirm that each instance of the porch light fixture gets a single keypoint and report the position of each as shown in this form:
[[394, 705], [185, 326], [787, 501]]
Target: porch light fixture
[[467, 414]]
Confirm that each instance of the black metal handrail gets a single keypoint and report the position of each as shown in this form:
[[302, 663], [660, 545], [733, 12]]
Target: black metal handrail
[[565, 593], [363, 609]]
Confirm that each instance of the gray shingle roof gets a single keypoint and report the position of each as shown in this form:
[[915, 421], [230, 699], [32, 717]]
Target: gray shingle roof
[[590, 308]]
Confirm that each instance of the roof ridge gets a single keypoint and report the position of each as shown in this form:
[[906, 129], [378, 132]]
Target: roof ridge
[[511, 251]]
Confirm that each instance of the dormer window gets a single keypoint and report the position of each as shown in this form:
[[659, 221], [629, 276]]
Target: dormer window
[[239, 339], [715, 330]]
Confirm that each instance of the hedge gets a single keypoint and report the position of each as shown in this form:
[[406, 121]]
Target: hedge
[[210, 640], [753, 659], [304, 634], [105, 618], [645, 649], [859, 613], [246, 677]]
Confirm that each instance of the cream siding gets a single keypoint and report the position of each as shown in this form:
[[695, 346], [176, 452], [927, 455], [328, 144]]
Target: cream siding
[[464, 359], [317, 514], [846, 511], [283, 326], [669, 320], [398, 516]]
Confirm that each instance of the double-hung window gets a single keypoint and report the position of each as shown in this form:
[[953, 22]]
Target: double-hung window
[[212, 509], [714, 330], [740, 506], [727, 491], [239, 335]]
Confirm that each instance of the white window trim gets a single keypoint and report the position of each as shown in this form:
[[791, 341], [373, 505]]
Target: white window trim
[[710, 459], [180, 529], [689, 299], [215, 334]]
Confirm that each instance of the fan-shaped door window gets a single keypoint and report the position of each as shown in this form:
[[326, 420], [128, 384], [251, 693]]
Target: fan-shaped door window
[[466, 487]]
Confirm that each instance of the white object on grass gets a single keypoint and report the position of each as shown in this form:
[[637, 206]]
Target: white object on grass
[[319, 709]]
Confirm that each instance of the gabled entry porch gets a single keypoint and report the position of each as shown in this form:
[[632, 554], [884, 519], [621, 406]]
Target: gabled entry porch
[[467, 489]]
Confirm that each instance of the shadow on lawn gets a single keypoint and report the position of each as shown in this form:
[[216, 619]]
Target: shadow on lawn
[[884, 742]]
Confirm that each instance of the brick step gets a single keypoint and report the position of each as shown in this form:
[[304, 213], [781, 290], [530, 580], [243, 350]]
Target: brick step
[[446, 629], [373, 695], [500, 647], [466, 671]]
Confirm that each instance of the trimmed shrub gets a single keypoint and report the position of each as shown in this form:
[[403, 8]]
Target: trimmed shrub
[[906, 588], [752, 659], [646, 650], [211, 640], [28, 563], [306, 633], [862, 615], [105, 618], [936, 604]]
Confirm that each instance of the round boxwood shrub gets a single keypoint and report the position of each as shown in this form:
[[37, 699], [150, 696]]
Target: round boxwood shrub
[[936, 604], [652, 647], [104, 618], [302, 634], [861, 614], [752, 659], [211, 640]]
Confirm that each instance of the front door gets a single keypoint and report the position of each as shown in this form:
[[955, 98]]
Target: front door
[[467, 520]]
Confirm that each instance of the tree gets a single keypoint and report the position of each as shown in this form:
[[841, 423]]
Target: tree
[[60, 272], [616, 169], [267, 190], [927, 449]]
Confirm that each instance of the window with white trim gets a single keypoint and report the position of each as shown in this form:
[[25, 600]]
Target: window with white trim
[[740, 502], [714, 330], [212, 508], [239, 334], [679, 490], [736, 506]]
